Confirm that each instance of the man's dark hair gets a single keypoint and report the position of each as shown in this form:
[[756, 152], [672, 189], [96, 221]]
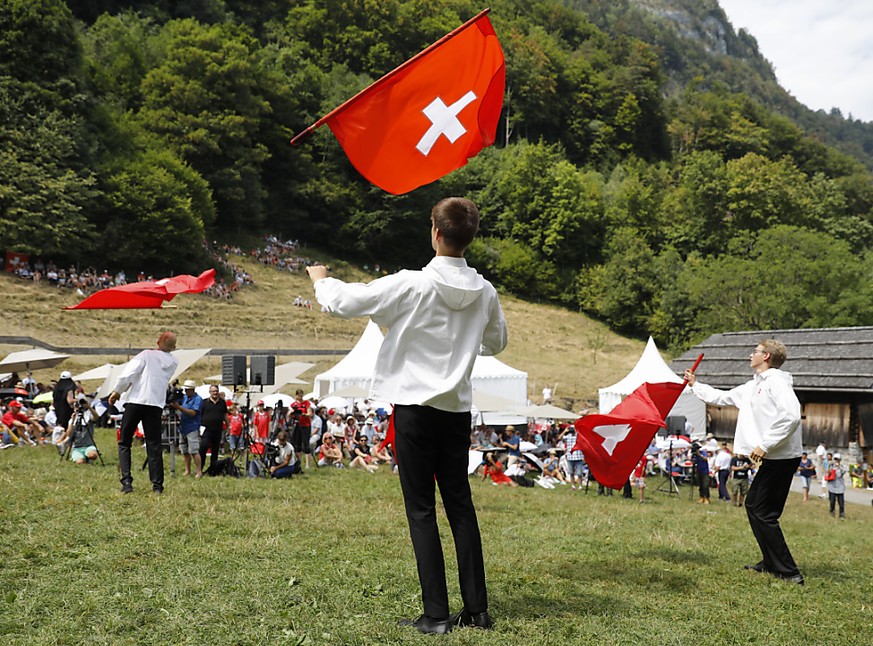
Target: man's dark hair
[[457, 218]]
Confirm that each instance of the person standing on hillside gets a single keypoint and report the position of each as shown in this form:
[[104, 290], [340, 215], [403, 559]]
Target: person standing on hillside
[[147, 375], [439, 319], [768, 430]]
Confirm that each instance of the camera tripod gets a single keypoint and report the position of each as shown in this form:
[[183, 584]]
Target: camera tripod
[[169, 437], [256, 453], [669, 481], [80, 428]]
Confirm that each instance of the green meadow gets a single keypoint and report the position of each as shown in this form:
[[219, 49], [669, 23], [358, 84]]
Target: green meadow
[[325, 558]]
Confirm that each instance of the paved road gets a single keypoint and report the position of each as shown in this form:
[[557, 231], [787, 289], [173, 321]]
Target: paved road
[[855, 496]]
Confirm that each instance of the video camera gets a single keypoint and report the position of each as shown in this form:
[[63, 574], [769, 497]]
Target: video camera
[[174, 393]]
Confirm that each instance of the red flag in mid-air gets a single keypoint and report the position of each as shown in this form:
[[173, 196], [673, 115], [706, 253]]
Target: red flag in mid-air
[[430, 115], [146, 294], [613, 443]]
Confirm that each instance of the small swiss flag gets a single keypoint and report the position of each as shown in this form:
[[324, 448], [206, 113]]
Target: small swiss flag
[[614, 443]]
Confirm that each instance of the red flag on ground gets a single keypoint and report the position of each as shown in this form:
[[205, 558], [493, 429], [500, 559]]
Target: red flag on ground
[[427, 117], [147, 294], [613, 443]]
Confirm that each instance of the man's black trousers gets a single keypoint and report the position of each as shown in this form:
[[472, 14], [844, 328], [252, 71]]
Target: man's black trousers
[[150, 416], [210, 441], [764, 504], [434, 445]]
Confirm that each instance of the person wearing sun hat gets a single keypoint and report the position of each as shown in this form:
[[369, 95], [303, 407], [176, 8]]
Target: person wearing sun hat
[[189, 427]]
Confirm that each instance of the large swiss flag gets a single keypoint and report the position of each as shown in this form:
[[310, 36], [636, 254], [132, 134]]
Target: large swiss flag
[[430, 115], [146, 294], [614, 443]]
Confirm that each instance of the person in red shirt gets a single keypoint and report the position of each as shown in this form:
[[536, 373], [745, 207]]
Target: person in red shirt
[[639, 476], [300, 413], [19, 424], [234, 433], [260, 423], [494, 469]]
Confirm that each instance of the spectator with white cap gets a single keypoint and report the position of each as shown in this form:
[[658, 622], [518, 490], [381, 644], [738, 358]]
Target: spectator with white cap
[[836, 485]]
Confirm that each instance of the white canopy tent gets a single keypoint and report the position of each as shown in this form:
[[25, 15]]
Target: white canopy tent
[[490, 376], [652, 368], [354, 369], [493, 377]]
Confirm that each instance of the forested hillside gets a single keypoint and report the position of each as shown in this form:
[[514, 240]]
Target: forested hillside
[[648, 174]]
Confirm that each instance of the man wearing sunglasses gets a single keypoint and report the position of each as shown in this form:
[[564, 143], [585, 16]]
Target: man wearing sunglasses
[[768, 431]]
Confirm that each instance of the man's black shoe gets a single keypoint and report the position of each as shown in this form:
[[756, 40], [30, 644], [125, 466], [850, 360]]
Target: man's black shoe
[[757, 567], [794, 578], [478, 619], [428, 625], [126, 488]]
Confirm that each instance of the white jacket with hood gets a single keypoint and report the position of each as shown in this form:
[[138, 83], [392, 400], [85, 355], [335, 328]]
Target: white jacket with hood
[[439, 319], [769, 414]]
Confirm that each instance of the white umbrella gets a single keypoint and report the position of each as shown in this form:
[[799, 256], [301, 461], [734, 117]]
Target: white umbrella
[[548, 411], [100, 372], [270, 401], [488, 403], [676, 443], [34, 359], [334, 402]]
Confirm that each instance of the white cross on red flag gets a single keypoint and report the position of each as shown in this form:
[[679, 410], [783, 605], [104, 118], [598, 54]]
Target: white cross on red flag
[[613, 443], [429, 116]]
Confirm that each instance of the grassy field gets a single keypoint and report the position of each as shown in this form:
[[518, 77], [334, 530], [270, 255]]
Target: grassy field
[[551, 344], [325, 559]]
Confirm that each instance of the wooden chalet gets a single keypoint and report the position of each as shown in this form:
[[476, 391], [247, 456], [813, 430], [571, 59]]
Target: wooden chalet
[[833, 378]]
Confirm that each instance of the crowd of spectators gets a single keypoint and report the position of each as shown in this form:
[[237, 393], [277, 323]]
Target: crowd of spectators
[[353, 438], [281, 255]]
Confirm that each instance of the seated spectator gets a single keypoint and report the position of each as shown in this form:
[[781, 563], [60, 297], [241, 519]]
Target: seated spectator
[[329, 454], [286, 462], [80, 432], [517, 472], [7, 438], [381, 455], [361, 458], [868, 475], [21, 429], [494, 469], [856, 473], [552, 467]]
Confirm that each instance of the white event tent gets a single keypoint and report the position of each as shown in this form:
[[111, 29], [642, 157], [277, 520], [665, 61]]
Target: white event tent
[[652, 368], [490, 376]]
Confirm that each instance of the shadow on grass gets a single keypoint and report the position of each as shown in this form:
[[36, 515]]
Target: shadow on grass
[[653, 568], [526, 603]]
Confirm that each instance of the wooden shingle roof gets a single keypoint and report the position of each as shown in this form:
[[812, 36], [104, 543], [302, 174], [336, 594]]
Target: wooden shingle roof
[[820, 359]]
